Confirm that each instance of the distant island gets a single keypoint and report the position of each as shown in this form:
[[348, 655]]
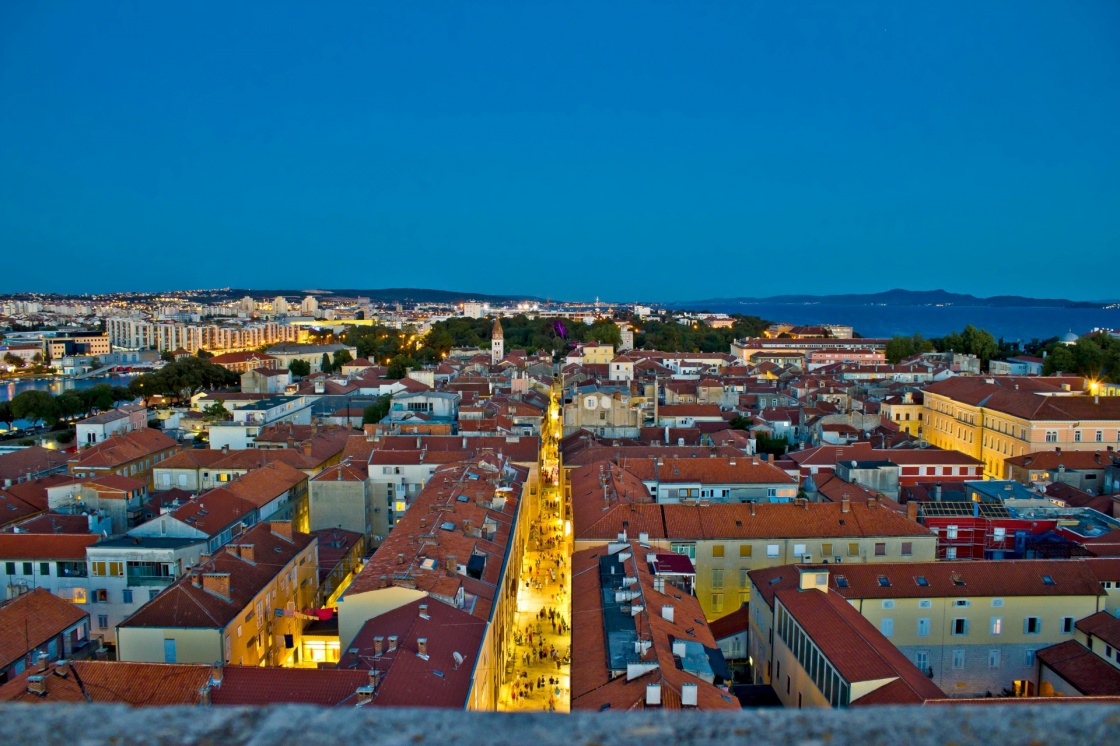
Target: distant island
[[899, 297]]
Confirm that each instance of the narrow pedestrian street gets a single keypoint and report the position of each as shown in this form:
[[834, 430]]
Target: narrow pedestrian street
[[539, 675]]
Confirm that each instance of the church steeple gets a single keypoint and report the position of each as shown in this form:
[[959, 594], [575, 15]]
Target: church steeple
[[497, 342]]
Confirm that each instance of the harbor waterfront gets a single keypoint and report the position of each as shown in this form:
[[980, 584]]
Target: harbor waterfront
[[57, 384]]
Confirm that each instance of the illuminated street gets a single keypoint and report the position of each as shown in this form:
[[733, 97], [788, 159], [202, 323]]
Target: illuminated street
[[540, 672]]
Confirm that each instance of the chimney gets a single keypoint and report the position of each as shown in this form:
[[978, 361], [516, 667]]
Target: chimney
[[204, 695], [378, 646], [805, 503], [225, 448], [216, 674], [374, 677], [912, 510], [653, 695], [937, 492], [62, 668], [845, 504], [392, 643], [306, 449], [42, 660], [752, 507], [246, 552], [667, 612], [688, 695], [196, 580], [424, 611], [400, 558], [217, 583], [422, 647], [364, 693], [452, 564], [283, 529], [37, 685]]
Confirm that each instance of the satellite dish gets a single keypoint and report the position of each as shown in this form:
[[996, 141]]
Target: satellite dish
[[458, 659]]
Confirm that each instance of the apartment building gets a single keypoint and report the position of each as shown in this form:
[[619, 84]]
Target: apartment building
[[236, 606], [99, 427], [53, 562], [994, 419], [38, 626], [972, 627], [638, 639], [460, 544], [727, 541], [816, 650], [129, 454], [718, 479]]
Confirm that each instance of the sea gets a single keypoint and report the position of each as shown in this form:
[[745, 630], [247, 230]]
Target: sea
[[1009, 324], [9, 389]]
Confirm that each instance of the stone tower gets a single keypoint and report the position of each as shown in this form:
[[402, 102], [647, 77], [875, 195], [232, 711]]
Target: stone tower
[[497, 342]]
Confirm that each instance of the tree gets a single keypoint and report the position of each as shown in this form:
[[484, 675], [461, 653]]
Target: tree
[[35, 406], [70, 404], [167, 356], [121, 394], [399, 367], [6, 415], [341, 357], [216, 412], [605, 332], [300, 368], [765, 444], [144, 386], [325, 365], [13, 360], [203, 354], [99, 397], [376, 412], [899, 347]]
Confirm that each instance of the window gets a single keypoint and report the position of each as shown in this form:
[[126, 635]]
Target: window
[[951, 532], [1076, 436], [1032, 625], [960, 626], [1000, 534], [688, 550], [907, 548], [744, 578], [950, 552], [1029, 657], [102, 620], [826, 550], [126, 596], [923, 627], [1067, 625], [993, 658], [961, 603], [880, 549], [888, 603], [169, 651], [717, 550], [10, 568], [771, 550], [886, 626], [717, 603], [799, 550], [997, 602], [44, 568], [958, 657], [921, 660], [27, 568], [853, 549], [717, 577], [152, 593], [1100, 435], [1051, 436], [744, 550], [997, 625]]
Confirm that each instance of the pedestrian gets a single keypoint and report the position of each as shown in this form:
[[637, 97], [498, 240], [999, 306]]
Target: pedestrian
[[557, 664]]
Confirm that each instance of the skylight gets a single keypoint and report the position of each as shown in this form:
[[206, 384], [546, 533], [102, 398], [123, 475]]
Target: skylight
[[921, 580], [884, 581], [841, 581], [1047, 580], [447, 526]]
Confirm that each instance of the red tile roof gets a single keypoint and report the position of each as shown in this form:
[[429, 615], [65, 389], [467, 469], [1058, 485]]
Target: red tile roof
[[29, 621], [45, 546], [407, 680], [1083, 669], [123, 448]]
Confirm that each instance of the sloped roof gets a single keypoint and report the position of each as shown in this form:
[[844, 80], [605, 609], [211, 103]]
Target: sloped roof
[[31, 620]]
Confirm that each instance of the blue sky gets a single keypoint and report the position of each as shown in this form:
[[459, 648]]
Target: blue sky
[[664, 151]]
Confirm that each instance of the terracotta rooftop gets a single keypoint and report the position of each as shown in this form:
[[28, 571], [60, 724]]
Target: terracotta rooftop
[[1081, 668], [1103, 626], [123, 448], [457, 518], [738, 469], [45, 546], [183, 604], [407, 680], [29, 621], [16, 465]]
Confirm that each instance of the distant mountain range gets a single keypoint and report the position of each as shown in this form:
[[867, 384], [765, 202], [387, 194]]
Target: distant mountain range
[[900, 297]]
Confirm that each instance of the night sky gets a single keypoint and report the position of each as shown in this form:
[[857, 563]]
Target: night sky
[[663, 151]]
